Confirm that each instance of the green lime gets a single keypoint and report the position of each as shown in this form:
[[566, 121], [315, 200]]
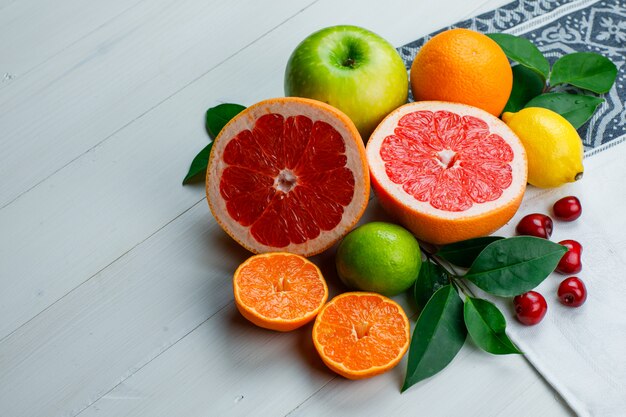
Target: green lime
[[380, 257]]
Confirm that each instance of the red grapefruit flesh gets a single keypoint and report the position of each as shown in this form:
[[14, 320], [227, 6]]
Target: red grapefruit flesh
[[447, 171], [288, 174]]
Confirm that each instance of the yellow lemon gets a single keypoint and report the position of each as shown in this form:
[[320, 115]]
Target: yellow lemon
[[553, 147]]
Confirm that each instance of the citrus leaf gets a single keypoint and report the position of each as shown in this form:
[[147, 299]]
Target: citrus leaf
[[576, 108], [218, 116], [524, 52], [586, 70], [515, 265], [430, 279], [526, 85], [486, 326], [438, 336], [199, 164], [463, 253]]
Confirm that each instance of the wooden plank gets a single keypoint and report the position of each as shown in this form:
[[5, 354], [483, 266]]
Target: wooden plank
[[225, 368], [6, 3], [242, 372], [475, 384], [117, 74], [121, 319], [113, 197], [32, 31]]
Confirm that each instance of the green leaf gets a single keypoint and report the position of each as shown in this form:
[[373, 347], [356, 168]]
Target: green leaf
[[199, 164], [523, 51], [576, 108], [438, 336], [515, 265], [430, 279], [218, 116], [486, 325], [216, 119], [586, 70], [526, 85], [463, 253]]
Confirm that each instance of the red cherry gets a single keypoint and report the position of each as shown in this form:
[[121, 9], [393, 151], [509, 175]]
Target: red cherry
[[530, 307], [535, 224], [571, 262], [572, 292], [567, 209]]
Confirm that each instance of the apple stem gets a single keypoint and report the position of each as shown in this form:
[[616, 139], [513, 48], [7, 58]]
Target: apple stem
[[348, 63]]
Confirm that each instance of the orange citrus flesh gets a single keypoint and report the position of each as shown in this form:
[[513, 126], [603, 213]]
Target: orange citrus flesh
[[279, 291], [361, 334], [462, 66]]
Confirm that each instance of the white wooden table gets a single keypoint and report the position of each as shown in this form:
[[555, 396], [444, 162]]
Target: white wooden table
[[115, 281]]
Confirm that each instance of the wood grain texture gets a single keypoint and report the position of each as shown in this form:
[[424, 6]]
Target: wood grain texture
[[107, 80], [31, 34], [121, 319], [109, 199], [116, 280], [471, 386], [248, 377]]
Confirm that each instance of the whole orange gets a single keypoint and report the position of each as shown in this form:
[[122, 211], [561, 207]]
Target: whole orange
[[462, 66]]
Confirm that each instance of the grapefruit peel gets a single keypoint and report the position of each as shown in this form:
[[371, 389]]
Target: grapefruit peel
[[474, 157], [327, 206]]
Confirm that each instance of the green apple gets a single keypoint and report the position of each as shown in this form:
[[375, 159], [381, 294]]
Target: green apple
[[352, 69]]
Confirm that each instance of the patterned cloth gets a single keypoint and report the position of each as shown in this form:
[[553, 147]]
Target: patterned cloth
[[560, 27]]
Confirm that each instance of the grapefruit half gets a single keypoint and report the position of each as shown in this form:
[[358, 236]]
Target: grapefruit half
[[288, 174], [447, 171]]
